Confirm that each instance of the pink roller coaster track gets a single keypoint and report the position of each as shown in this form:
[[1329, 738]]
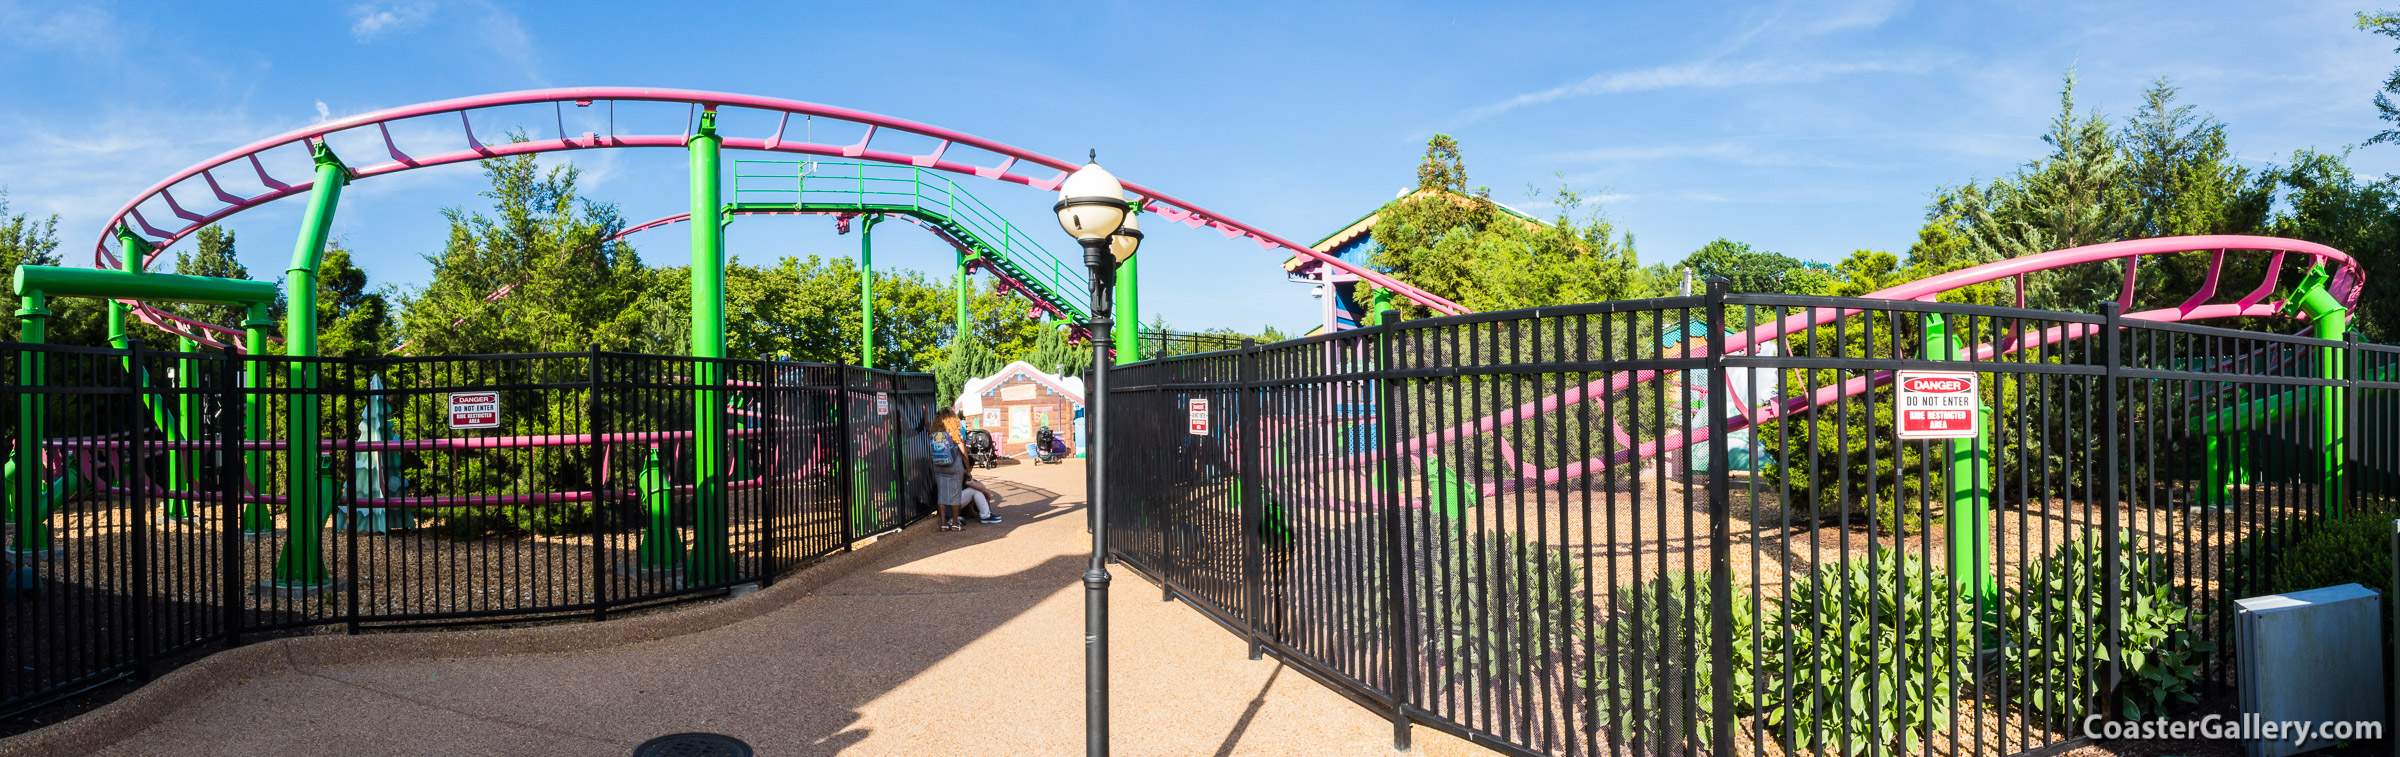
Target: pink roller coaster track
[[202, 183], [2347, 280]]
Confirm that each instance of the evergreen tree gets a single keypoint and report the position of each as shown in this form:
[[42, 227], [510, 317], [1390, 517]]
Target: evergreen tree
[[211, 254], [2387, 24], [1053, 354], [568, 287], [2076, 196], [351, 319]]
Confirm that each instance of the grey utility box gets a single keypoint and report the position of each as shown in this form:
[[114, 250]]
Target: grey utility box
[[2313, 656]]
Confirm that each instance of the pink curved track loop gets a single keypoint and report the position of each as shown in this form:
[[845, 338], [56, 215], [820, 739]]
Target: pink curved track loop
[[2348, 277], [1013, 158]]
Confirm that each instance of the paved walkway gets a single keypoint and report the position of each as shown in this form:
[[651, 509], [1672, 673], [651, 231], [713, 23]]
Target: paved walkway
[[951, 644]]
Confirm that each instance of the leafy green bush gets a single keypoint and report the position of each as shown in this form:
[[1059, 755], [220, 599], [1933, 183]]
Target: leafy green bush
[[1893, 641], [2056, 625], [1655, 661], [2353, 549], [1494, 610], [1486, 596]]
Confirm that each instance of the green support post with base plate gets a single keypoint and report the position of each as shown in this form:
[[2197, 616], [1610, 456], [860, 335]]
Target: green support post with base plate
[[866, 289], [31, 515], [661, 546], [2328, 320], [301, 565], [1126, 331], [961, 296], [711, 558], [257, 518], [183, 465], [1969, 500]]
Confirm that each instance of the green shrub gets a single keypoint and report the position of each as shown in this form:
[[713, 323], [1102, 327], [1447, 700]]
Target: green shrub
[[1494, 610], [1655, 661], [1499, 588], [2056, 625], [1894, 640], [2335, 551]]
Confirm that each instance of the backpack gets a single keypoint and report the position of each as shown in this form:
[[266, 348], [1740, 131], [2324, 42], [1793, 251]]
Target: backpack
[[943, 453]]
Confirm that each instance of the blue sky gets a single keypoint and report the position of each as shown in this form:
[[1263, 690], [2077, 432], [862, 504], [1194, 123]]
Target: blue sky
[[1810, 128]]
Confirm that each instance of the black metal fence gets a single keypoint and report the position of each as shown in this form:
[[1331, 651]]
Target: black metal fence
[[1624, 528], [161, 512], [1156, 343]]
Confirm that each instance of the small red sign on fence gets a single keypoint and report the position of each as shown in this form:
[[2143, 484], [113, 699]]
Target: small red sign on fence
[[474, 410], [1938, 404], [1199, 417]]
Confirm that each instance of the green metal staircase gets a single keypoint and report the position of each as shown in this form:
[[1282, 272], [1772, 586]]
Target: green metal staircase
[[819, 186]]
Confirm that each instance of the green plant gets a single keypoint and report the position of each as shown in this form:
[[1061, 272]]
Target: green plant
[[1874, 648], [2351, 549], [1653, 672], [1494, 611], [2056, 623]]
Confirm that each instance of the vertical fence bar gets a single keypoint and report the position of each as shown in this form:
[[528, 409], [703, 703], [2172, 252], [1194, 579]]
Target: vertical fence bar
[[847, 473], [1248, 484], [2112, 560], [1394, 568], [598, 449], [141, 605], [231, 430], [1720, 526]]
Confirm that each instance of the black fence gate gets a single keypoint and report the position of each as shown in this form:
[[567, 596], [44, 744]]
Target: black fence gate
[[151, 504], [1715, 525]]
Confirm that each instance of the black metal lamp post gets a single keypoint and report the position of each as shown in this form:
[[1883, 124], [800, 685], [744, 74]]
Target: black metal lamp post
[[1091, 207]]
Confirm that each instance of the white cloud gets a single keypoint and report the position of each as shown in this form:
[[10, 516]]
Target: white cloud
[[66, 25], [323, 113], [1702, 74], [369, 20]]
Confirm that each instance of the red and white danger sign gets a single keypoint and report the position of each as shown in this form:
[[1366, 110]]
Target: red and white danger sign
[[883, 403], [474, 410], [1938, 404], [1199, 417]]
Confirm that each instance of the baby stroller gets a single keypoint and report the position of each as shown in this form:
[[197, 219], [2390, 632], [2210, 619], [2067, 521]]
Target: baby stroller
[[1045, 446], [981, 453]]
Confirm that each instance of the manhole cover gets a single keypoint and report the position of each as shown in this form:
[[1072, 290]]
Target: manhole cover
[[693, 745]]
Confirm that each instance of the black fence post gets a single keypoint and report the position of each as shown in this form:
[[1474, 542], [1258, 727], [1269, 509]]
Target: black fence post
[[141, 604], [597, 448], [232, 466], [1395, 573], [2111, 560], [1720, 521], [847, 474], [1253, 504], [769, 455], [2353, 366], [351, 389]]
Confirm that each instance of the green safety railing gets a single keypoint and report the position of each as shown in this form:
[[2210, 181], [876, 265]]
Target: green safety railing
[[882, 187]]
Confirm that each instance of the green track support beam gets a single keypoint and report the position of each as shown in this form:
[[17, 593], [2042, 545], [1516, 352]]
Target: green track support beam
[[302, 563], [661, 547], [964, 291], [1970, 495], [32, 513], [257, 518], [2327, 319], [1127, 328], [183, 465], [712, 531], [866, 290]]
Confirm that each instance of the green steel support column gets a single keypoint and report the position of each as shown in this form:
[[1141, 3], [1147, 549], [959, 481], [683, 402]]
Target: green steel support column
[[866, 290], [1128, 326], [1970, 487], [661, 546], [32, 514], [183, 465], [712, 554], [961, 282], [257, 518], [302, 563], [2328, 319]]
